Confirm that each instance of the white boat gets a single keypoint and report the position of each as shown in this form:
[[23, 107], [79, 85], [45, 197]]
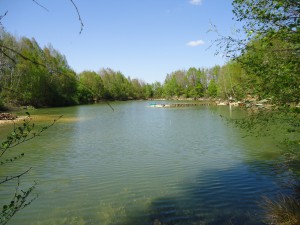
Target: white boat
[[222, 103], [154, 105]]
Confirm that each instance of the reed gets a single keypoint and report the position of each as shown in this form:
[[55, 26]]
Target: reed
[[283, 211]]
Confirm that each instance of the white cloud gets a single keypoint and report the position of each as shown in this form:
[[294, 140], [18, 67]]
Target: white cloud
[[195, 43], [196, 2]]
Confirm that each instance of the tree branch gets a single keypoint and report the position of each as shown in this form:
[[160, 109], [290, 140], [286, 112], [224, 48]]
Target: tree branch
[[40, 5], [2, 16], [79, 17], [8, 56], [22, 56], [14, 177], [26, 138]]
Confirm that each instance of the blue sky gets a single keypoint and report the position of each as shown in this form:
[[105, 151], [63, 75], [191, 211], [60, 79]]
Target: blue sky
[[145, 39]]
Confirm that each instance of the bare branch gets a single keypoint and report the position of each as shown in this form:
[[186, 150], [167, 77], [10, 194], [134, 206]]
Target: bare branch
[[40, 5], [75, 6], [26, 138], [18, 202], [79, 17], [23, 56], [14, 177], [2, 16]]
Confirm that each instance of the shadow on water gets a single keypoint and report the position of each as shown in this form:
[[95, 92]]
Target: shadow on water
[[231, 197], [199, 192]]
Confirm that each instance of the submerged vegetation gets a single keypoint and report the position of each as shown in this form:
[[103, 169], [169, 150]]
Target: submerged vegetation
[[284, 211]]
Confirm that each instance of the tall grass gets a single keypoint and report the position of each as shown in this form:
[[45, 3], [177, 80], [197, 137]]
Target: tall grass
[[283, 211]]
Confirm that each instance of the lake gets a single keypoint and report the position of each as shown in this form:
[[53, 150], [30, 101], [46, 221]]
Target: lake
[[143, 165]]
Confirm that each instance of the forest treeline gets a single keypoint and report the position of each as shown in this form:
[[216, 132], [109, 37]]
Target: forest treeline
[[264, 63], [31, 75]]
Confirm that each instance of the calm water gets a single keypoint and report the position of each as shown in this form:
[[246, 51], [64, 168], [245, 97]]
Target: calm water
[[138, 165]]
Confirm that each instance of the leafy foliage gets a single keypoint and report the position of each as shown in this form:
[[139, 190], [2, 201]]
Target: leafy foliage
[[269, 56], [273, 17], [30, 75], [284, 211], [21, 197], [274, 73], [264, 64], [91, 88]]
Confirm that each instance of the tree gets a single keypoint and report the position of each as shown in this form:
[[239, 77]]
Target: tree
[[148, 91], [233, 82], [274, 73], [35, 76], [195, 80], [116, 85], [269, 55], [21, 133], [270, 19], [90, 88], [212, 89], [175, 84], [271, 52], [8, 78], [139, 90], [157, 89], [264, 20]]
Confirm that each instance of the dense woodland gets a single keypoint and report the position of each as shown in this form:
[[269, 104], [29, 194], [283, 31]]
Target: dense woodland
[[32, 75], [268, 67], [265, 64]]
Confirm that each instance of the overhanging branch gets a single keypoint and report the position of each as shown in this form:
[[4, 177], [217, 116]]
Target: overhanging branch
[[79, 17]]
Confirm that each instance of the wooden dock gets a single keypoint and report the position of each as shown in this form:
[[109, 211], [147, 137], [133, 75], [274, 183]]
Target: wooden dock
[[189, 104], [174, 105]]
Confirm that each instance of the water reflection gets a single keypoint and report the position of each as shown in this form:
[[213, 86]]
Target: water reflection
[[140, 165]]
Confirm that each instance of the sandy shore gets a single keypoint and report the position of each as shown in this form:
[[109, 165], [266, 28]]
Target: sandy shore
[[5, 122]]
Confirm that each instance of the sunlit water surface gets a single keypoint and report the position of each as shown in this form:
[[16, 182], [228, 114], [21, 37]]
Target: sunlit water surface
[[143, 165]]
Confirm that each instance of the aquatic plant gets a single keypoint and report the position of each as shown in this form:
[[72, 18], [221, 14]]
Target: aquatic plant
[[283, 211]]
